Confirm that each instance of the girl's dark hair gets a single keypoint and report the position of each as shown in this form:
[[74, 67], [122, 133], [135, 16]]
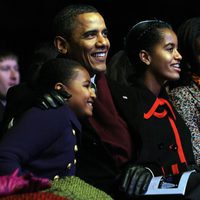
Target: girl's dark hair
[[187, 34], [56, 70], [143, 36], [42, 52]]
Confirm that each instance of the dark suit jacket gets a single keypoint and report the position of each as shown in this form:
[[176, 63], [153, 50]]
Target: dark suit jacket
[[42, 142], [19, 98], [96, 165]]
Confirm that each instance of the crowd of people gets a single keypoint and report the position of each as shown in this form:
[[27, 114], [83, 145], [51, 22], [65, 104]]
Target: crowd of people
[[114, 124]]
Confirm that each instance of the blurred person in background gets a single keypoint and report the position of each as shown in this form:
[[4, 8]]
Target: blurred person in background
[[9, 76], [185, 93]]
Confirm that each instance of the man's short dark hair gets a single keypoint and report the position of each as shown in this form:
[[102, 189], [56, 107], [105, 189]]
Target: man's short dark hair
[[64, 21]]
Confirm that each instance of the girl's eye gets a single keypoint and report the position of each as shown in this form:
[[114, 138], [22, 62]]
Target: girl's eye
[[105, 33], [170, 49], [93, 86], [86, 85]]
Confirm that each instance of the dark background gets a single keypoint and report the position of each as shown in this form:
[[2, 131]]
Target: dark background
[[23, 24]]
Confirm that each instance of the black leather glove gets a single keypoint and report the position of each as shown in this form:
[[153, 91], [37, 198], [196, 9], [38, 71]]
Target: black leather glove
[[135, 180], [53, 99]]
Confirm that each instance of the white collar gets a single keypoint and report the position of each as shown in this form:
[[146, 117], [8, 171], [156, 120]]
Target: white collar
[[93, 78]]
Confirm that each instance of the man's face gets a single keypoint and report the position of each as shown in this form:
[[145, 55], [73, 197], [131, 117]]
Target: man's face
[[89, 43], [9, 75]]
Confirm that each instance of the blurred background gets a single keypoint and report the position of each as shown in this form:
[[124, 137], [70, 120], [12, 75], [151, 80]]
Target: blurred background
[[24, 24]]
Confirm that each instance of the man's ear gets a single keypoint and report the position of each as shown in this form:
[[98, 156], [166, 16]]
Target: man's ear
[[145, 57], [61, 44]]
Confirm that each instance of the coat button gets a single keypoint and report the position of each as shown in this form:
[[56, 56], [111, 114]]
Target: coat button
[[75, 161], [75, 148], [94, 142], [74, 132], [69, 166], [173, 147], [56, 177]]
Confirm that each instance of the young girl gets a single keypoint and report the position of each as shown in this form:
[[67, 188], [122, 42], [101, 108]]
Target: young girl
[[45, 142], [162, 141]]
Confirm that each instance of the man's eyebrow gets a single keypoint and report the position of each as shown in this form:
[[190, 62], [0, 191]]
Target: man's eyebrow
[[90, 32]]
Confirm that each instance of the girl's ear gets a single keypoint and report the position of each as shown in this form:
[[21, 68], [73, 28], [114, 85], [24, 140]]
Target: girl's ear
[[59, 86], [145, 57], [61, 44], [63, 91]]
